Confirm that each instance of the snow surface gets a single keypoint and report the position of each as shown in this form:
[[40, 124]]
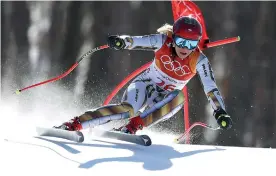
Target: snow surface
[[33, 155], [24, 153]]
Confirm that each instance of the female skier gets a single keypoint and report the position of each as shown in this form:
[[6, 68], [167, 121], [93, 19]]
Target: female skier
[[155, 95]]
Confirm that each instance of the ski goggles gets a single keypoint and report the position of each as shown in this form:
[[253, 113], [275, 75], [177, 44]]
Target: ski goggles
[[182, 42]]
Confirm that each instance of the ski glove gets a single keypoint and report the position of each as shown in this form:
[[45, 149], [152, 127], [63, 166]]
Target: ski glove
[[223, 119], [115, 42]]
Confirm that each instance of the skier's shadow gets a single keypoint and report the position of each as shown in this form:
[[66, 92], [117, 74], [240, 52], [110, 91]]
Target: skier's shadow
[[157, 157]]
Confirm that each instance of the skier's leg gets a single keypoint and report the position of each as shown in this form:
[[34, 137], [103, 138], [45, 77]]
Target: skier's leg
[[132, 102], [164, 109], [98, 116], [159, 111], [136, 95]]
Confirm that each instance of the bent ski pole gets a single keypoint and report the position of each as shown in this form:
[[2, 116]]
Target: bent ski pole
[[180, 138], [68, 71]]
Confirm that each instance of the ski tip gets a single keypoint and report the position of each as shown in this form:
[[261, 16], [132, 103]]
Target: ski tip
[[81, 136], [147, 140]]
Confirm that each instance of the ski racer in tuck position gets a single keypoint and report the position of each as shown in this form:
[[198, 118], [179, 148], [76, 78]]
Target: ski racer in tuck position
[[155, 95]]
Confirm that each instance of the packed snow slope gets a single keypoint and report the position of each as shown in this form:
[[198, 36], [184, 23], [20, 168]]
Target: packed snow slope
[[33, 155], [24, 153]]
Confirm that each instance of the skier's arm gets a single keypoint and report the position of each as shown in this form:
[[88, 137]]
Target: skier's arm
[[205, 73], [151, 42]]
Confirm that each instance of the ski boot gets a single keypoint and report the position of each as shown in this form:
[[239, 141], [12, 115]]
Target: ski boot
[[72, 125], [135, 124]]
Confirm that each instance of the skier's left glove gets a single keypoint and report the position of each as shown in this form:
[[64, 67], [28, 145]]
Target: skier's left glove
[[115, 42], [223, 119]]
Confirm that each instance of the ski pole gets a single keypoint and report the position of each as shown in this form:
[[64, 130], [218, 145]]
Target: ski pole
[[68, 71], [179, 139]]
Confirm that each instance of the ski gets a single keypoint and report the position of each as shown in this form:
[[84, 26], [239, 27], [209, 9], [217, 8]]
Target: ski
[[143, 140], [75, 136]]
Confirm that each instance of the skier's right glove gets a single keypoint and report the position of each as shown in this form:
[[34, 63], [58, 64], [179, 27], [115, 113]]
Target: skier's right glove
[[223, 119], [115, 42]]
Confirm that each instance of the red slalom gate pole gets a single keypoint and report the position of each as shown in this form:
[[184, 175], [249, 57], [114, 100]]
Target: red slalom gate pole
[[185, 90], [186, 113]]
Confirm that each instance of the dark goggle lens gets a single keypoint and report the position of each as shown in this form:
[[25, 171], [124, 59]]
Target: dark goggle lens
[[182, 43]]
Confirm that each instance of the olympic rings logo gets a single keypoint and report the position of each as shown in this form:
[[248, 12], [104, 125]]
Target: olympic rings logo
[[174, 66]]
